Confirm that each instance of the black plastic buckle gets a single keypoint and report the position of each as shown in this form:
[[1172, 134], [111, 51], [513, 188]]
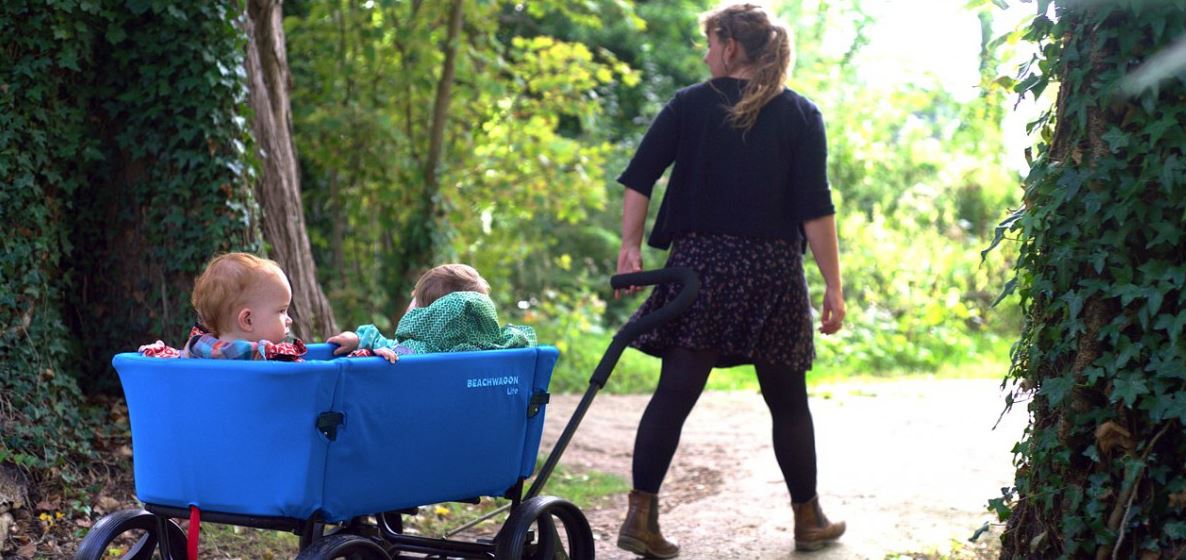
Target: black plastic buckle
[[538, 399], [328, 422]]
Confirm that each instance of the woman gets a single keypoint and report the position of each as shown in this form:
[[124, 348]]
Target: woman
[[749, 183]]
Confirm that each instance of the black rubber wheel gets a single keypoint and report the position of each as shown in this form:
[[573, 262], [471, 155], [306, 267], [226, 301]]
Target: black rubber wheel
[[512, 542], [350, 547], [139, 528]]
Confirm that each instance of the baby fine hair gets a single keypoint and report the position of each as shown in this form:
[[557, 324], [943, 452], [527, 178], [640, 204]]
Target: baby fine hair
[[225, 284], [446, 279]]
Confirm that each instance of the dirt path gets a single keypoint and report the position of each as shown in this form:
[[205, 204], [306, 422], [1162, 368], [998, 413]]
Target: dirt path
[[908, 464]]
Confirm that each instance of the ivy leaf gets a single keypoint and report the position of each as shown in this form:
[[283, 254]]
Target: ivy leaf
[[1025, 85], [999, 233], [116, 34], [1127, 293], [1172, 324], [1168, 406], [1098, 260], [1157, 129], [1056, 388], [1154, 302], [1128, 388], [1128, 351], [1168, 233], [1116, 138], [1008, 289], [1171, 168], [1175, 530], [1074, 301], [1000, 506]]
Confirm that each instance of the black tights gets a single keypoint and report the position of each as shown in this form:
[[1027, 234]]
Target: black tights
[[681, 381]]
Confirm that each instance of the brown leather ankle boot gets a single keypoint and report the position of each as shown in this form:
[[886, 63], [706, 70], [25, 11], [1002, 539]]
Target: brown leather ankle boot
[[812, 528], [640, 533]]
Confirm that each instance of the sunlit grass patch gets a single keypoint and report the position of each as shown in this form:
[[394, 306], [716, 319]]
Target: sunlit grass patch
[[230, 541], [983, 356], [585, 489]]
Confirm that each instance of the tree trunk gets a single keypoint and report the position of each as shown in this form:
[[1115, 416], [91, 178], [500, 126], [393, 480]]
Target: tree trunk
[[440, 108], [278, 188], [418, 242]]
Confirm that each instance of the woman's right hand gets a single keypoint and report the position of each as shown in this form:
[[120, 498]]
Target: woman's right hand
[[629, 260], [832, 312]]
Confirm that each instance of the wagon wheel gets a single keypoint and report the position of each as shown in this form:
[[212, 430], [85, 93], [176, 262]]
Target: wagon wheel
[[575, 542], [135, 529], [349, 547]]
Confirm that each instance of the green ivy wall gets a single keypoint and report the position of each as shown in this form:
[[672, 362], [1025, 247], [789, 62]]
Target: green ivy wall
[[124, 164]]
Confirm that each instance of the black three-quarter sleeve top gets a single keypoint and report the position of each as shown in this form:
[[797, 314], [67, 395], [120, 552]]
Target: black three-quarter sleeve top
[[762, 183]]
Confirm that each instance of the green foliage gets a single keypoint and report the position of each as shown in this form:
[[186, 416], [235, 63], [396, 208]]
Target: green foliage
[[1100, 275], [919, 298], [506, 161], [918, 181], [42, 126], [123, 167], [551, 100]]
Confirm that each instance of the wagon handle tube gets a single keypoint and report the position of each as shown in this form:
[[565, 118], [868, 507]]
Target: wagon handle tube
[[689, 286]]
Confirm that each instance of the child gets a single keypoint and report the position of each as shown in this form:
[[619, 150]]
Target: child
[[242, 304], [451, 311]]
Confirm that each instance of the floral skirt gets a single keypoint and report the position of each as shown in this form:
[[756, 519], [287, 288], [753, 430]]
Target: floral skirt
[[752, 306]]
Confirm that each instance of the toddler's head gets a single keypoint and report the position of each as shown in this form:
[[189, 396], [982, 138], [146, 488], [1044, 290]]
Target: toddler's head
[[241, 296], [446, 279]]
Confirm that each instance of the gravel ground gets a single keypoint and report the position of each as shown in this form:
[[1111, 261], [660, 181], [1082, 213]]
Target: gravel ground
[[908, 464]]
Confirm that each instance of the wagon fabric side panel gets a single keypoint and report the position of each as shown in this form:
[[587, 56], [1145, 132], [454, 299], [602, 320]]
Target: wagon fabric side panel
[[428, 429], [237, 438]]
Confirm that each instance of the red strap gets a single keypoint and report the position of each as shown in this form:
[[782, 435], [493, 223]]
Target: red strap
[[195, 526]]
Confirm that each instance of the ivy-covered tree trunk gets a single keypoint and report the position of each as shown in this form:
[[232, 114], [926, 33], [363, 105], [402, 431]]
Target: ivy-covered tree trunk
[[123, 168], [1101, 274], [171, 184], [278, 187]]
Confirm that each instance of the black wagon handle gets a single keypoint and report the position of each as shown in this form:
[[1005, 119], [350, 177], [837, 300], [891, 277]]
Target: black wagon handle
[[689, 286]]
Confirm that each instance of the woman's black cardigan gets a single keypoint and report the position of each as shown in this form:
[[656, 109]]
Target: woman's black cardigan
[[763, 183]]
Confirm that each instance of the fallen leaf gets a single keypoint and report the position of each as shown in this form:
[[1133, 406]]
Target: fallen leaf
[[108, 503], [1110, 435], [1178, 500], [27, 551]]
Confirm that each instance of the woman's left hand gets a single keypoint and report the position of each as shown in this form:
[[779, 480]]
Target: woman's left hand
[[832, 315]]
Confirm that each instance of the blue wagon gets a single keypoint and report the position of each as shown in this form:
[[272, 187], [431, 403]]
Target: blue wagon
[[337, 450]]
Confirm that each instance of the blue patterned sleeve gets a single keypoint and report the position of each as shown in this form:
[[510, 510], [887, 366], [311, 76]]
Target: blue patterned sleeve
[[369, 338]]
